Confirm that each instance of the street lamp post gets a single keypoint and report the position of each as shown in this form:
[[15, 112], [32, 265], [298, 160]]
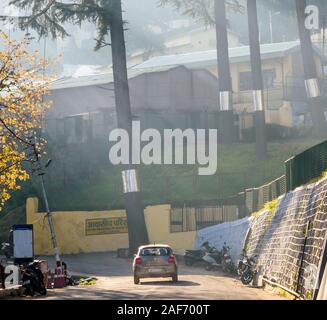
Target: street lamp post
[[271, 15]]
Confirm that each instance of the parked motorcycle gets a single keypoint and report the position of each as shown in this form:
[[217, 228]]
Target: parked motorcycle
[[194, 256], [242, 263], [249, 270], [32, 279], [227, 262]]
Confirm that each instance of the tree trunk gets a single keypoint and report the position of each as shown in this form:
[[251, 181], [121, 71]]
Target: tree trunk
[[310, 73], [137, 231], [258, 96], [227, 128]]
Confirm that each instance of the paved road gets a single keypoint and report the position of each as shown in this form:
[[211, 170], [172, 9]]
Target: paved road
[[115, 282]]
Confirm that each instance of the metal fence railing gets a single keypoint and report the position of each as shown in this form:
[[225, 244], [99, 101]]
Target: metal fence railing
[[300, 170], [306, 166], [196, 218], [256, 198]]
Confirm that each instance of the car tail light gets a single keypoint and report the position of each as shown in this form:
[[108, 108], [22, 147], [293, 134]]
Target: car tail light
[[171, 259], [138, 260]]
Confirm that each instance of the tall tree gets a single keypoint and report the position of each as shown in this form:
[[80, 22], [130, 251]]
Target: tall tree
[[298, 7], [257, 81], [310, 72], [227, 127], [48, 18], [213, 12]]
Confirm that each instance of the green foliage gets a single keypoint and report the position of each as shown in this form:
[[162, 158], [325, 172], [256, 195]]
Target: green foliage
[[322, 176], [48, 16], [271, 206], [8, 218]]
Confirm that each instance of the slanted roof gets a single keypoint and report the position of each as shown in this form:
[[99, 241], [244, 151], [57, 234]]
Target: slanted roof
[[95, 79], [206, 58]]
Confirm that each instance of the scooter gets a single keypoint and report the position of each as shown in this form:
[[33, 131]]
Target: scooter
[[32, 279], [213, 259]]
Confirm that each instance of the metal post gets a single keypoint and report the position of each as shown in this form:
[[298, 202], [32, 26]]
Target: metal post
[[59, 277], [50, 221], [271, 27], [307, 229], [271, 15]]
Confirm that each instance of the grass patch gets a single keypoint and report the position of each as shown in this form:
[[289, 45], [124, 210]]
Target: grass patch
[[81, 178], [271, 206], [315, 180]]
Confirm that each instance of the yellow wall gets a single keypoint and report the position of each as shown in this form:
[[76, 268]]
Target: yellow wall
[[71, 238], [157, 219]]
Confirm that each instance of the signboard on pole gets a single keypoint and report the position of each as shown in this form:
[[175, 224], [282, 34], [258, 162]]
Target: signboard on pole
[[23, 250]]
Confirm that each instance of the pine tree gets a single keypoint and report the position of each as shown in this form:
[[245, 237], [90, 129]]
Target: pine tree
[[297, 7], [48, 18], [211, 12]]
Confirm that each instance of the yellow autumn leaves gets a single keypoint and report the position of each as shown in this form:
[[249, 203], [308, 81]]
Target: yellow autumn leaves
[[23, 86]]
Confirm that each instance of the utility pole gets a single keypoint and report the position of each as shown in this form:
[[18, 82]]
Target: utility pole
[[271, 15], [132, 188], [258, 94], [59, 280], [310, 73], [226, 125]]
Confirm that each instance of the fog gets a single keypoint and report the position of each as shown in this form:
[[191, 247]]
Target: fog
[[148, 27]]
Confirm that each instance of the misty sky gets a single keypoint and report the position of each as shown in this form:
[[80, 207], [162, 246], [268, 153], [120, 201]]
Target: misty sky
[[145, 20]]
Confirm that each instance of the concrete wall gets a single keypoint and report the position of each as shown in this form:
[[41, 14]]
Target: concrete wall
[[233, 233], [71, 235]]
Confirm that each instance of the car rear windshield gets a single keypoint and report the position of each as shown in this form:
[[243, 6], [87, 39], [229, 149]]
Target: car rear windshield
[[156, 252]]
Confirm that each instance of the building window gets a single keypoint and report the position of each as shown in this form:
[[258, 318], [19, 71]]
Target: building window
[[269, 79]]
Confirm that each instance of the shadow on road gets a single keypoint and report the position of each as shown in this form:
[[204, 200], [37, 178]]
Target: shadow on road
[[170, 283]]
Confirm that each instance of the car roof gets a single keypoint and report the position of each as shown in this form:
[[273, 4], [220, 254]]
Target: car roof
[[155, 246]]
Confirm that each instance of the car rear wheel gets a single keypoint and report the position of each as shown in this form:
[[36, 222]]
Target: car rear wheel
[[175, 278], [136, 280]]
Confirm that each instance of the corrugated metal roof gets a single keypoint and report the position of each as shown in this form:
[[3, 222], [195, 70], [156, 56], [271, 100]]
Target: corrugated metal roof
[[97, 79], [205, 58], [201, 59]]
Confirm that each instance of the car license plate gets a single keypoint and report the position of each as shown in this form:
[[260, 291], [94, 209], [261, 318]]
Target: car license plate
[[155, 270]]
